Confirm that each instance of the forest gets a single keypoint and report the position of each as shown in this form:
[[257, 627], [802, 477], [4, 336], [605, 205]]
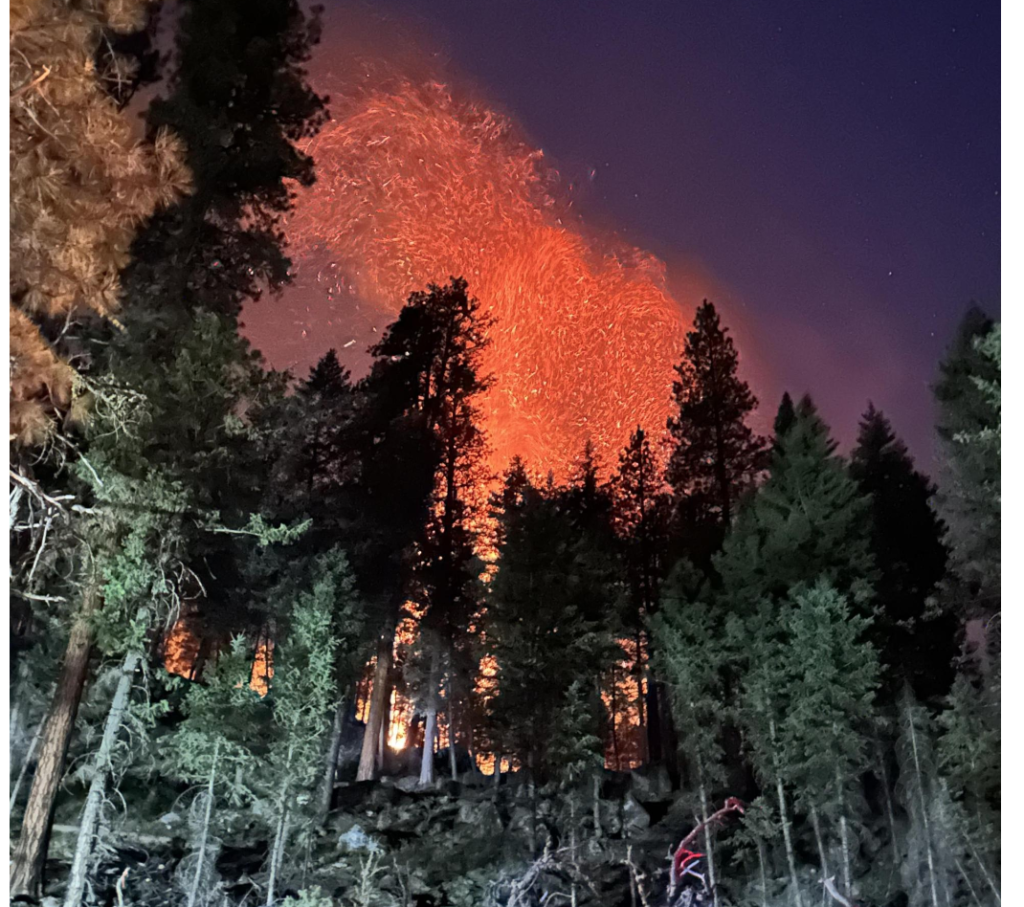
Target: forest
[[291, 640]]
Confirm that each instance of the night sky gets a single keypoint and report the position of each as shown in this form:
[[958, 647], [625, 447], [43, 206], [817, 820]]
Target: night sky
[[831, 170]]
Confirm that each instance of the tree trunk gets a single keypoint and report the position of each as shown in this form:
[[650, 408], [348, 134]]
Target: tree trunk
[[452, 761], [890, 813], [598, 830], [816, 825], [924, 812], [30, 856], [429, 733], [784, 819], [100, 771], [764, 875], [331, 760], [277, 853], [669, 738], [844, 836], [708, 841], [378, 700], [205, 833]]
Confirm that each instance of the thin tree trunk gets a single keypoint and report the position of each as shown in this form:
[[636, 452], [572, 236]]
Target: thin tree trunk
[[890, 813], [708, 841], [331, 760], [598, 830], [205, 833], [497, 772], [277, 853], [100, 770], [378, 700], [924, 811], [764, 876], [669, 740], [970, 887], [429, 733], [452, 761], [32, 747], [844, 835], [784, 818], [816, 825], [30, 855]]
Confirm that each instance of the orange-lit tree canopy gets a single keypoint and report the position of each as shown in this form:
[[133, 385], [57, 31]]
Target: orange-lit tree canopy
[[414, 186]]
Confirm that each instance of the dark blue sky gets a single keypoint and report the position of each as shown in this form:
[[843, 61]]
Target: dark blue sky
[[833, 165]]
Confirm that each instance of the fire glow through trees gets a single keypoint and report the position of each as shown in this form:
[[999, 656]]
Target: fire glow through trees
[[414, 186]]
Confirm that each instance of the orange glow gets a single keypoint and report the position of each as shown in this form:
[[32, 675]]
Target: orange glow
[[414, 186], [262, 666], [181, 648]]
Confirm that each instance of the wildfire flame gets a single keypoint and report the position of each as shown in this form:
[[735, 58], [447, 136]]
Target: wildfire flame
[[413, 187]]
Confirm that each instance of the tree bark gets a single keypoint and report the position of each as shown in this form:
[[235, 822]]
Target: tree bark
[[378, 700], [844, 835], [764, 875], [816, 825], [100, 770], [452, 761], [708, 841], [669, 738], [30, 855], [429, 733], [277, 853], [331, 760], [784, 819], [924, 812], [205, 833]]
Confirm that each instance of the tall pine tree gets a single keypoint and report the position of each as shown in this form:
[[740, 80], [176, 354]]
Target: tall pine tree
[[716, 455]]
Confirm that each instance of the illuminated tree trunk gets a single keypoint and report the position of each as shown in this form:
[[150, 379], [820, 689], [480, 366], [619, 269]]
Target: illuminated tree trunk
[[816, 825], [429, 733], [30, 855], [378, 700], [844, 836], [708, 841], [204, 834], [100, 771], [787, 836], [281, 836]]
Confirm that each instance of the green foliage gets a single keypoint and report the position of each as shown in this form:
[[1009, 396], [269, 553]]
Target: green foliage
[[807, 521], [692, 655], [968, 394], [916, 641], [537, 629], [830, 676]]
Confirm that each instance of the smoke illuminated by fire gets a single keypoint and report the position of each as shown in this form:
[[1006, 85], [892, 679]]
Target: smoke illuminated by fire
[[413, 187]]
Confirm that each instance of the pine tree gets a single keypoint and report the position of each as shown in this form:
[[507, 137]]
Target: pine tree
[[536, 630], [831, 672], [716, 456], [969, 428], [808, 521], [211, 748], [641, 519], [240, 102], [692, 653], [81, 183], [915, 644], [422, 388]]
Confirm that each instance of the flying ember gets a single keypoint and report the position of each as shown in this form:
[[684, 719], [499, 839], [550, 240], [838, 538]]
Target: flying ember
[[414, 186]]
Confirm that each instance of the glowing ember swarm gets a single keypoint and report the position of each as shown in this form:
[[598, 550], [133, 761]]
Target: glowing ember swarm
[[413, 187]]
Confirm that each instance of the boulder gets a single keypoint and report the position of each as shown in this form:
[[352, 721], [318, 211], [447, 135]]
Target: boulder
[[634, 816], [651, 784]]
